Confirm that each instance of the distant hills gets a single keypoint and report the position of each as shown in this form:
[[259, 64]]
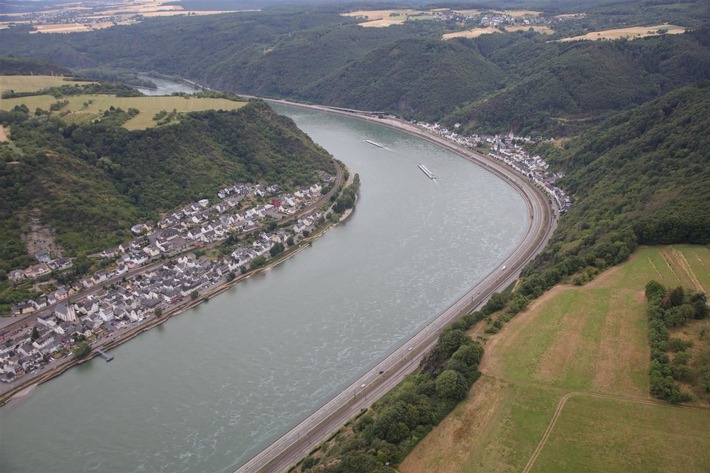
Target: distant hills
[[520, 81]]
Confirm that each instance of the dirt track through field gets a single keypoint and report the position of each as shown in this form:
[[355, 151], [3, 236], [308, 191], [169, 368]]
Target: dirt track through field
[[568, 396]]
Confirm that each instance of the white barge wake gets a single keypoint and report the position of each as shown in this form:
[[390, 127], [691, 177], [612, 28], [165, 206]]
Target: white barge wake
[[373, 143]]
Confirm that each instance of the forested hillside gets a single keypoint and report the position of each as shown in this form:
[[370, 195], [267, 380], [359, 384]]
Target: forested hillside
[[522, 81], [10, 66], [641, 177], [413, 78], [91, 182], [554, 88]]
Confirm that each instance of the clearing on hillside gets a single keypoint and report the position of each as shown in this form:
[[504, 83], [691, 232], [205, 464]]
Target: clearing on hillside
[[84, 108], [592, 339], [633, 32], [385, 18], [33, 83], [476, 32]]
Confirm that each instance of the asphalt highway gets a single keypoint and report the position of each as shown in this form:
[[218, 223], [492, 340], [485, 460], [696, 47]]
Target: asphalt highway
[[319, 426]]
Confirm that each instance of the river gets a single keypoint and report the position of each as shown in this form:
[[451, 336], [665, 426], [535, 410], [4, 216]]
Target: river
[[209, 389]]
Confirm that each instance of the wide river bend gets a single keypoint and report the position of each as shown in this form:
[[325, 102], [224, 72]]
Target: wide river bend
[[212, 387]]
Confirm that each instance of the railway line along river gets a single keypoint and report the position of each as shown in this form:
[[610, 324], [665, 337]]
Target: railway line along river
[[214, 386]]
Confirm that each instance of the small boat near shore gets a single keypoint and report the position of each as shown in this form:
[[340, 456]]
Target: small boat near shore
[[426, 171], [374, 143]]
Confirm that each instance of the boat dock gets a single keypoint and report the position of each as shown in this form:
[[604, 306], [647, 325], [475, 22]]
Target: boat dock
[[104, 355]]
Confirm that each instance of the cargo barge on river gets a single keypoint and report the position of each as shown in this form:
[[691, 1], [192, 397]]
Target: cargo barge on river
[[426, 171]]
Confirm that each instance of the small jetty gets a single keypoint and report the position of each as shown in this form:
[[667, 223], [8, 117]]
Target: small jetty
[[426, 171], [104, 355], [373, 143]]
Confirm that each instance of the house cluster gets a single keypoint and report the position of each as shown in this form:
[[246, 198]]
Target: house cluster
[[508, 149], [122, 303], [193, 225], [81, 15], [46, 265], [485, 19], [128, 302]]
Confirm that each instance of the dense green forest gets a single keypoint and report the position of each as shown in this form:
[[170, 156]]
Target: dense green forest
[[563, 87], [23, 66], [641, 177], [409, 77], [92, 182]]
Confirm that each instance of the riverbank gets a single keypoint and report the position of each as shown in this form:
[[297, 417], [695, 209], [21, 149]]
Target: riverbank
[[385, 375], [58, 367]]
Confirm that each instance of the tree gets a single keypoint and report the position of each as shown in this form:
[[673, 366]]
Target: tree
[[277, 249], [158, 311], [35, 334], [451, 385], [258, 262], [194, 294], [81, 350]]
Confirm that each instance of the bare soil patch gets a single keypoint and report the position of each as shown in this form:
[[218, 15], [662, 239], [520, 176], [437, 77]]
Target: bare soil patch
[[3, 134], [40, 237]]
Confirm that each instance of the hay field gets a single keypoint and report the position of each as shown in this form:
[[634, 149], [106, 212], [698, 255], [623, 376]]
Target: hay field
[[385, 18], [32, 83], [98, 16], [573, 343], [634, 32], [476, 32], [83, 108]]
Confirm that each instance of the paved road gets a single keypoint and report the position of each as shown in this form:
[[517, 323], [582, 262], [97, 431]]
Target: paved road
[[318, 427]]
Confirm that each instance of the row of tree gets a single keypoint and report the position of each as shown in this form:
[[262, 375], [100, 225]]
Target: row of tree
[[668, 308]]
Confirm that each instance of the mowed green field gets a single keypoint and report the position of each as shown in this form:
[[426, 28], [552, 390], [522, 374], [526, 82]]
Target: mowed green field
[[589, 339], [594, 435]]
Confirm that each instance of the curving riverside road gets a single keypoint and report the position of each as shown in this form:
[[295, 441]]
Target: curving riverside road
[[319, 426]]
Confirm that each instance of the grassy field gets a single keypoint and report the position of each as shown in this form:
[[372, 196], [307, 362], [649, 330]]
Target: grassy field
[[32, 83], [385, 18], [633, 32], [588, 339], [82, 108], [476, 32], [611, 435]]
